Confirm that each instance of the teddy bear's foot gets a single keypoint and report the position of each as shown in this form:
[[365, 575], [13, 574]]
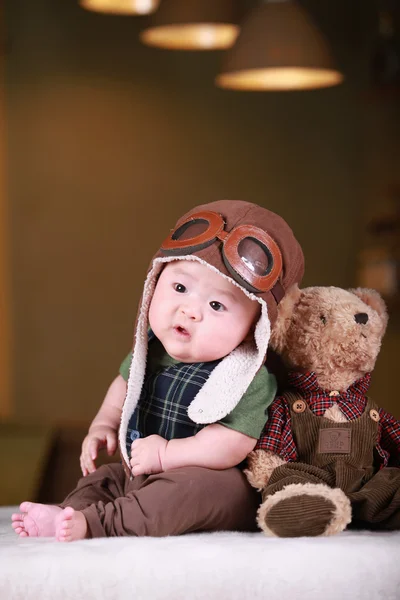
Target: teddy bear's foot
[[305, 510]]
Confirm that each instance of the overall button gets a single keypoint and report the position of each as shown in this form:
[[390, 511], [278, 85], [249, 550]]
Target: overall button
[[299, 406], [374, 415]]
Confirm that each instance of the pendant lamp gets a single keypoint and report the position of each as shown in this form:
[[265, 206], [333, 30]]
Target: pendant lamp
[[194, 25], [278, 48], [121, 7]]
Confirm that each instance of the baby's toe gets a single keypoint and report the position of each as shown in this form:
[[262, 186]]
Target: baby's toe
[[17, 517], [64, 535], [68, 514], [16, 522]]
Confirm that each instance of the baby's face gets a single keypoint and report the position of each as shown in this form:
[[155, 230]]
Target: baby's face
[[197, 314]]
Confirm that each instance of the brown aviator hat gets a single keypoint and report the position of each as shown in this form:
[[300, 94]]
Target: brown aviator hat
[[280, 253]]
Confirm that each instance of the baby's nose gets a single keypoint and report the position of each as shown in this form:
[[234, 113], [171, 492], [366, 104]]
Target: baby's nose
[[192, 312]]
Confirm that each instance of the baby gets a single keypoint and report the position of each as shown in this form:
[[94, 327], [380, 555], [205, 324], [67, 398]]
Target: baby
[[190, 402]]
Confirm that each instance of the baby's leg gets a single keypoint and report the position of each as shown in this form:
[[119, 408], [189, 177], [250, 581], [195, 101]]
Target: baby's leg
[[105, 484], [178, 501], [41, 520], [102, 486]]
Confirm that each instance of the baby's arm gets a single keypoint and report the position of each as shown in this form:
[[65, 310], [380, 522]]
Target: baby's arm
[[217, 446], [214, 447], [104, 427]]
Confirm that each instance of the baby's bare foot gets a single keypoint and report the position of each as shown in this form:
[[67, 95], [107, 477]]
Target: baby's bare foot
[[35, 520], [70, 525]]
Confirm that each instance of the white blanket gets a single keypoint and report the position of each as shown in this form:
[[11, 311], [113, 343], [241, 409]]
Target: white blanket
[[220, 566]]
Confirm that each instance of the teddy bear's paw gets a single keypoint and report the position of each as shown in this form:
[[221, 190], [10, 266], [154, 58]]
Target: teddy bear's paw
[[261, 464], [305, 510]]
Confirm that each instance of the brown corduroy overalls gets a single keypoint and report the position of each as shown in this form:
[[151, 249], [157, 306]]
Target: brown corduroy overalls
[[342, 455]]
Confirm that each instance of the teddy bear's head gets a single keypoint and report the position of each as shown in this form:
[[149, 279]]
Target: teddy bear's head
[[333, 332]]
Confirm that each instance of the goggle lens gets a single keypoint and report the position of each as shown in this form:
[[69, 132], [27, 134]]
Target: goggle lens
[[191, 229], [255, 256]]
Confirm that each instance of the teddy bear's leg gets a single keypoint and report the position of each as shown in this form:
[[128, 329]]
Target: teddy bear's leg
[[377, 504], [304, 509]]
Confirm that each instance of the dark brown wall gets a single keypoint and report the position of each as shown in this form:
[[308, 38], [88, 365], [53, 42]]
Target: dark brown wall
[[110, 141]]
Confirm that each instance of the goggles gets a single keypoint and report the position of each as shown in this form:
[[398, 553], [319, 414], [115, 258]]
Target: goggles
[[251, 256]]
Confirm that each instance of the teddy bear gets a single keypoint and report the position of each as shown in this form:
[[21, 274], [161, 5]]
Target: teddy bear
[[328, 455]]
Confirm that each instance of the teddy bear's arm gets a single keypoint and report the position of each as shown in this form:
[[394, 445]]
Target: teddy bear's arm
[[261, 463], [271, 450], [390, 437]]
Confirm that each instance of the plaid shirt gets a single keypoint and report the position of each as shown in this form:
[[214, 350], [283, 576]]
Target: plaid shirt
[[277, 436], [165, 398]]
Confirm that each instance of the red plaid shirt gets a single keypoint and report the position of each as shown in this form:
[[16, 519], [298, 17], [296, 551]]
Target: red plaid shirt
[[277, 434]]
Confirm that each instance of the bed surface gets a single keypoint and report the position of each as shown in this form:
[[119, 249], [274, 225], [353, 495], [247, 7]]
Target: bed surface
[[224, 566]]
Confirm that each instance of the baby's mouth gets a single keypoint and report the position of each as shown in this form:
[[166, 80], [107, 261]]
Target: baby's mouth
[[181, 331]]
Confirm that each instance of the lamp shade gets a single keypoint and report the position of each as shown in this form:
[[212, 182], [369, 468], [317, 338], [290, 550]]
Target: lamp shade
[[194, 25], [121, 7], [278, 48]]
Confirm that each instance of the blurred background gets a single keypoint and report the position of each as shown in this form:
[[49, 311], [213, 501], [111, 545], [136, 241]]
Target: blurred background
[[105, 141]]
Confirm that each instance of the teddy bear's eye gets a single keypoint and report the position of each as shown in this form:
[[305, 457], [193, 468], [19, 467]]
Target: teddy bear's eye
[[323, 319]]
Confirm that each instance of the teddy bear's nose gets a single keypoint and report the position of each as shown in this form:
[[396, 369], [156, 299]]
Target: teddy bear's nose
[[361, 318]]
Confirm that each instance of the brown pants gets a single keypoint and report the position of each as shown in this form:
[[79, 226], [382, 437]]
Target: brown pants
[[172, 503]]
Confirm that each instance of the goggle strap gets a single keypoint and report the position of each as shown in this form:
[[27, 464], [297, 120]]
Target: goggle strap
[[278, 292]]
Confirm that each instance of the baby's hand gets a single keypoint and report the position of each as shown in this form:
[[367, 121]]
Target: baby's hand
[[101, 436], [147, 454]]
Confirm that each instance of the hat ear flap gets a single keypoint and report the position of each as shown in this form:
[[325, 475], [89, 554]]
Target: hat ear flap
[[284, 318], [373, 299]]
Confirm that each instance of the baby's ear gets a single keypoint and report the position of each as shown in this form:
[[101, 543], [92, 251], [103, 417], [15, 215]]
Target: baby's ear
[[373, 299], [284, 318]]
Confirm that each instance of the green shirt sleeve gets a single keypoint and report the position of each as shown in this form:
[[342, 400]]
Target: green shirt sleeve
[[125, 366], [250, 414]]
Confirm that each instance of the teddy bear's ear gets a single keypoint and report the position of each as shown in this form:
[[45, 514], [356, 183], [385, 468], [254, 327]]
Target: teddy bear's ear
[[284, 318], [373, 299]]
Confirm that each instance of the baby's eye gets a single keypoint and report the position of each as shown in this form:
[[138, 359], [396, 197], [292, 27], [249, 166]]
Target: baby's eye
[[217, 306], [179, 287]]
